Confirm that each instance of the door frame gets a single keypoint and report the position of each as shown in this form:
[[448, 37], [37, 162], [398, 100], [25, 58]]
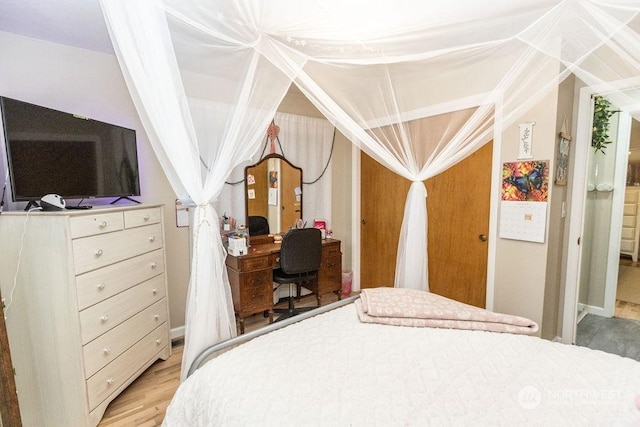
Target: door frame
[[577, 203]]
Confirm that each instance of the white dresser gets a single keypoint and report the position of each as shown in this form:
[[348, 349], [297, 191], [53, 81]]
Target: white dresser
[[630, 238], [89, 311]]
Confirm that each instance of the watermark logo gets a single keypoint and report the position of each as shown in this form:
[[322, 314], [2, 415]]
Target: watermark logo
[[529, 397]]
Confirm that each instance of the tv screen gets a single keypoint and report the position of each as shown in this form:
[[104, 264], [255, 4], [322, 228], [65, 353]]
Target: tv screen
[[51, 151]]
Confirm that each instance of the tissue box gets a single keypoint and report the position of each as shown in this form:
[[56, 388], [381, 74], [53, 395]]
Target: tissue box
[[237, 246]]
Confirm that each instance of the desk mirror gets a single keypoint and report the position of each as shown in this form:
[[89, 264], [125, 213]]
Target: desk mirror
[[273, 195]]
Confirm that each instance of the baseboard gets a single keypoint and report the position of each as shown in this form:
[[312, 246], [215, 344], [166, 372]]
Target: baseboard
[[585, 308], [177, 333]]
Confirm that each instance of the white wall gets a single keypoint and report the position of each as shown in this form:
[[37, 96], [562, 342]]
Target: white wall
[[90, 84]]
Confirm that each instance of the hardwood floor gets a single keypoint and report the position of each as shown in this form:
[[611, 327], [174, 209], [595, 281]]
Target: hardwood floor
[[145, 401], [627, 310], [624, 309]]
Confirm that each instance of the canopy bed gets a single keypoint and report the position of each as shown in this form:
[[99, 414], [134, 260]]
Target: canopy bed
[[334, 369], [377, 73]]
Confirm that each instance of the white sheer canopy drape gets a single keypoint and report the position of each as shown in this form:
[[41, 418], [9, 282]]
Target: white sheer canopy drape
[[414, 84]]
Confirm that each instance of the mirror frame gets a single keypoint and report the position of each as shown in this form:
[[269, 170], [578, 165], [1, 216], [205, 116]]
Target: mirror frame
[[246, 188]]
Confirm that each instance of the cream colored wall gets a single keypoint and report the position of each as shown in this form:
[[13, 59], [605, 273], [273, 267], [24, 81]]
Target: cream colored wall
[[521, 267], [91, 84], [551, 323]]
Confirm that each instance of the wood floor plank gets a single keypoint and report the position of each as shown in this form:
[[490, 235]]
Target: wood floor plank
[[144, 403]]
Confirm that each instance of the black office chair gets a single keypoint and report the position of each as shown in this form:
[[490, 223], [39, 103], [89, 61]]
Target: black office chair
[[258, 225], [300, 259]]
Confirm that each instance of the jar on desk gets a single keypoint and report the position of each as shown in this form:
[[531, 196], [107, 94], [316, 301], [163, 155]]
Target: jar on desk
[[243, 231]]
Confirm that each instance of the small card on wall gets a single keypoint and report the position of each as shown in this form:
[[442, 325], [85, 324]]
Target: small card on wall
[[526, 141], [273, 197], [251, 193]]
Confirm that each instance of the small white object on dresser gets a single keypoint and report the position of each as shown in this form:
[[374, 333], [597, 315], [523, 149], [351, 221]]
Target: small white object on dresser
[[89, 310]]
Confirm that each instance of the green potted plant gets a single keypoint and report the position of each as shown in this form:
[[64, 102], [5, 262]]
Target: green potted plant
[[601, 117]]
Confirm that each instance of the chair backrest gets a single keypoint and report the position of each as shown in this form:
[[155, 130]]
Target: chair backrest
[[301, 250], [258, 225]]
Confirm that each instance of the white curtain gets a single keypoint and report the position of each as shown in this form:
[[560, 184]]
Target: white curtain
[[414, 84], [197, 158], [306, 142]]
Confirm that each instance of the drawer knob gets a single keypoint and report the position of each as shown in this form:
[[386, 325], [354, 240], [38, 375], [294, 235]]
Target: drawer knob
[[154, 290], [158, 342], [103, 224], [156, 316], [154, 264], [104, 318], [106, 350], [101, 286], [99, 252], [110, 381], [152, 239], [146, 217]]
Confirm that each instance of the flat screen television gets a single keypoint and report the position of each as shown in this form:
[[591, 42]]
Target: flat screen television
[[51, 151]]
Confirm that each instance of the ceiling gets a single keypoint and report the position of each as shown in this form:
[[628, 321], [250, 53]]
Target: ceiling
[[77, 23]]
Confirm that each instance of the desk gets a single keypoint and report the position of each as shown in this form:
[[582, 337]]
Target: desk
[[251, 277]]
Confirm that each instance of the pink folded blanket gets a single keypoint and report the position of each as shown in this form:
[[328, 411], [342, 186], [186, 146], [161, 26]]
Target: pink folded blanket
[[410, 307]]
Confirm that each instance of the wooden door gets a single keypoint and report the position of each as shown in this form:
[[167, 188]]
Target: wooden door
[[458, 223]]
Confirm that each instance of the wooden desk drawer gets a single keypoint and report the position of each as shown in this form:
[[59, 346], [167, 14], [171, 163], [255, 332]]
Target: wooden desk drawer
[[90, 225], [115, 374], [330, 250], [107, 347], [102, 317], [256, 291], [100, 284], [140, 217], [254, 263], [93, 252]]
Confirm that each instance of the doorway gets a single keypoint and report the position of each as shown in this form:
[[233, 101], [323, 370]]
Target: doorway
[[628, 286], [597, 202], [458, 225]]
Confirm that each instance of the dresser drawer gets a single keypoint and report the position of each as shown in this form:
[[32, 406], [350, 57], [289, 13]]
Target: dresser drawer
[[107, 347], [628, 233], [115, 374], [90, 225], [105, 282], [93, 252], [629, 209], [100, 318], [629, 221], [626, 245], [140, 217]]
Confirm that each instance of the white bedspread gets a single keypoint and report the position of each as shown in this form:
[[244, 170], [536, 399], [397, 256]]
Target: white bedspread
[[332, 370]]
